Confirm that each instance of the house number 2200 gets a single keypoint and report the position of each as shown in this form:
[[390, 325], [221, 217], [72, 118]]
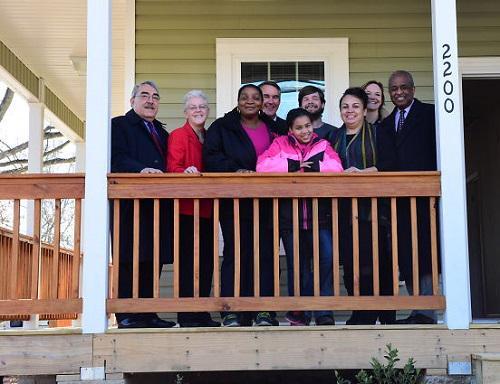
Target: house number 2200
[[448, 88]]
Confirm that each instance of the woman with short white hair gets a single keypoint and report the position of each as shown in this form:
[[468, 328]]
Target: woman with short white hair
[[185, 156]]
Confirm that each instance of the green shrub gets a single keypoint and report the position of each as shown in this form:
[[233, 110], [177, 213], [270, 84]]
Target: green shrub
[[387, 373]]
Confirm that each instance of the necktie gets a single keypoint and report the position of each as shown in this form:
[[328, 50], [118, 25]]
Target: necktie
[[401, 120], [154, 135]]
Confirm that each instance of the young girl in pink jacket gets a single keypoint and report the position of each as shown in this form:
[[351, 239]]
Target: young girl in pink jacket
[[303, 151]]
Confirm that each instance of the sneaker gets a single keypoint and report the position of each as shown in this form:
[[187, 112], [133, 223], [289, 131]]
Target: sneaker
[[265, 319], [325, 320], [296, 318], [231, 320]]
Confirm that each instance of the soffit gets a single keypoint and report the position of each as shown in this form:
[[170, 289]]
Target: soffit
[[45, 35]]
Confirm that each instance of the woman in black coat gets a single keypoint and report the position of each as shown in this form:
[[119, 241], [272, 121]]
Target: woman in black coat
[[232, 144]]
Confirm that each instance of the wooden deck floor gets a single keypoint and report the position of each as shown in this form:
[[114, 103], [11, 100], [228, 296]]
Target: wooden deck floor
[[65, 351]]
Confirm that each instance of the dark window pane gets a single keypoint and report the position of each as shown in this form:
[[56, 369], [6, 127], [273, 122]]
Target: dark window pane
[[312, 72], [283, 71], [253, 72]]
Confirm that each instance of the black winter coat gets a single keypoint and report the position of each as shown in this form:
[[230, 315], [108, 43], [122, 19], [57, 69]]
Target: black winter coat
[[133, 149], [228, 148]]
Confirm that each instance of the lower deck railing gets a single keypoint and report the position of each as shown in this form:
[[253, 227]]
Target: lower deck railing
[[37, 277]]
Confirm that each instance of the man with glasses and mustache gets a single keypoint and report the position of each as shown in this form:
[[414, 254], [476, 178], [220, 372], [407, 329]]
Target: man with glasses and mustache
[[139, 145], [406, 141], [312, 99]]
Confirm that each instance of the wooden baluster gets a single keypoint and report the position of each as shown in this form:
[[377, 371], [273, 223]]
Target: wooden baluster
[[355, 245], [156, 248], [394, 235], [376, 282], [434, 250], [315, 228], [176, 248], [414, 246], [236, 215], [116, 247], [35, 264], [296, 265], [135, 253], [196, 247], [276, 247], [15, 251], [336, 252], [77, 230], [256, 250], [216, 289], [57, 248]]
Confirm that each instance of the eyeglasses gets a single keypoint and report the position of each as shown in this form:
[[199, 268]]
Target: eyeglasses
[[147, 96], [193, 108]]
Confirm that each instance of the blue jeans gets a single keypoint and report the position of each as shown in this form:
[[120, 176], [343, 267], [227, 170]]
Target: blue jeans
[[306, 260]]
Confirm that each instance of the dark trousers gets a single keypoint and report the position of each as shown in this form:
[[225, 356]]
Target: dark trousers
[[145, 286], [246, 258], [306, 264], [366, 270], [186, 259]]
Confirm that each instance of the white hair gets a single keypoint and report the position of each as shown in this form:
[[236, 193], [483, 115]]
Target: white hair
[[194, 93]]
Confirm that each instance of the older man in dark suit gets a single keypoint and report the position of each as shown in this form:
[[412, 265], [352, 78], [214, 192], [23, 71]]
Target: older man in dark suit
[[407, 142], [139, 144]]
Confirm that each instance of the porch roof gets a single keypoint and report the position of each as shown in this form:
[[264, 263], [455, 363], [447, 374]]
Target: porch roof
[[50, 39]]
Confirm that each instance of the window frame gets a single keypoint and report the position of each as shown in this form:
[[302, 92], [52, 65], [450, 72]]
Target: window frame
[[231, 52]]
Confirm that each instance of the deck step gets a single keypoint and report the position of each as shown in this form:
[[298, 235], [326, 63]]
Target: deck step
[[486, 368]]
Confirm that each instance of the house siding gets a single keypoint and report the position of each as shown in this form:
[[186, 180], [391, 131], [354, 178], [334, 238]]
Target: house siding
[[175, 40]]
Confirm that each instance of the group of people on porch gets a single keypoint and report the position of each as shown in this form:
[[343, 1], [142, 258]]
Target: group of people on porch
[[252, 138]]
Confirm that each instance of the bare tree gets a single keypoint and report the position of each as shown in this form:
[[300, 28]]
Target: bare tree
[[14, 160]]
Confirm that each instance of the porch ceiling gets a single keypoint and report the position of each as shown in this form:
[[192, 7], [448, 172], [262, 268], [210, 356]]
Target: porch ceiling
[[46, 35]]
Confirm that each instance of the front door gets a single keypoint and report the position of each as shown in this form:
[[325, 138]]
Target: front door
[[482, 147]]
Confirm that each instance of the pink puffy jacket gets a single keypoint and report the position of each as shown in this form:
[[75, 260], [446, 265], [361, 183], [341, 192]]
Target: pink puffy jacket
[[285, 155]]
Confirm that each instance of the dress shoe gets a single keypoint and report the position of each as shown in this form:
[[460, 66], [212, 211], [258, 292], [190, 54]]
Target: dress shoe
[[200, 324], [131, 323], [325, 320], [154, 322], [417, 318]]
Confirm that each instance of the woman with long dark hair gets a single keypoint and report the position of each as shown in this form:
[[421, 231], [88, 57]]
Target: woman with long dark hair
[[355, 142]]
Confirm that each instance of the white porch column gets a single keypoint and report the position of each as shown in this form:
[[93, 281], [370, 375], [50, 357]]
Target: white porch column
[[80, 157], [35, 152], [451, 162], [96, 214], [35, 146]]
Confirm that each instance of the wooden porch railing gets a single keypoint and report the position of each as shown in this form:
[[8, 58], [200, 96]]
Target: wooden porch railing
[[32, 279], [391, 186]]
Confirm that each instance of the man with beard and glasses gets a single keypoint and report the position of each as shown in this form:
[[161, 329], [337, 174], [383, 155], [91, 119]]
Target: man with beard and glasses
[[312, 99]]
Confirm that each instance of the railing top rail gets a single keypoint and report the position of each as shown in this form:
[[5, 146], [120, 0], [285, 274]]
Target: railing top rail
[[42, 186], [241, 185]]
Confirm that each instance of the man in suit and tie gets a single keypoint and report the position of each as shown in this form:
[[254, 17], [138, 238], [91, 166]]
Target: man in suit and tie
[[138, 145], [407, 142]]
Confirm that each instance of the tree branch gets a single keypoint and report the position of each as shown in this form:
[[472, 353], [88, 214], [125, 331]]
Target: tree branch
[[6, 101]]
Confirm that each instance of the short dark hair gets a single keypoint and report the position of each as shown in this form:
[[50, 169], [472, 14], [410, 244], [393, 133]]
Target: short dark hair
[[271, 83], [250, 85], [295, 113], [380, 85], [401, 72], [309, 90], [358, 93]]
